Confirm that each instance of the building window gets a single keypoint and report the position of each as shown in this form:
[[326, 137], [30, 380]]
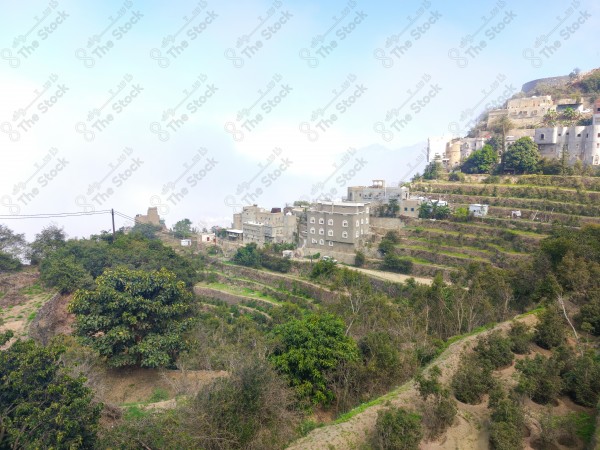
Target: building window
[[321, 231], [312, 220], [345, 223], [312, 231], [542, 136], [578, 134], [330, 233], [321, 242], [412, 209], [344, 234], [357, 222], [330, 222], [357, 233], [367, 210], [366, 220], [405, 208], [314, 241], [321, 221], [331, 243], [362, 221]]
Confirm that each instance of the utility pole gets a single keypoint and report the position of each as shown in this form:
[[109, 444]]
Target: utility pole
[[112, 213]]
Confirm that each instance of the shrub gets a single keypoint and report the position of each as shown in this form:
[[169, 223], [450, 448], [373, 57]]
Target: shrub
[[520, 338], [549, 332], [494, 350], [540, 379], [64, 273], [471, 381], [275, 263], [397, 263], [590, 314], [439, 415], [9, 263], [507, 421], [359, 259], [456, 176], [397, 429], [583, 380]]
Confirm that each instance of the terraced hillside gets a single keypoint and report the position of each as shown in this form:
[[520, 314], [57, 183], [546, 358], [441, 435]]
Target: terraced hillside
[[499, 238]]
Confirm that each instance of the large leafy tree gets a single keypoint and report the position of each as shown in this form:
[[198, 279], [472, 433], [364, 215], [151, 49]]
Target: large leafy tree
[[134, 318], [183, 229], [522, 156], [47, 241], [307, 349], [481, 161], [41, 406], [12, 247]]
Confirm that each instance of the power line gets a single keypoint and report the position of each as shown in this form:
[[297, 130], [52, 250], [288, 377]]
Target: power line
[[52, 215]]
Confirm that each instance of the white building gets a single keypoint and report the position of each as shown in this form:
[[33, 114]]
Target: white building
[[478, 210], [378, 192], [582, 143]]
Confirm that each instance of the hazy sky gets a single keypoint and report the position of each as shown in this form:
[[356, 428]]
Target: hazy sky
[[202, 107]]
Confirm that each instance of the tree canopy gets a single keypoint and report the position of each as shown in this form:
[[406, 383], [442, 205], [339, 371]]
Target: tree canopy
[[41, 406], [134, 317], [522, 156], [481, 161], [307, 349]]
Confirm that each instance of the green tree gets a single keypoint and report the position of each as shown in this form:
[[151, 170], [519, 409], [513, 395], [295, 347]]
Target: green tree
[[50, 239], [397, 429], [146, 229], [481, 161], [540, 378], [397, 263], [41, 406], [11, 243], [306, 350], [392, 208], [494, 350], [433, 170], [248, 256], [183, 229], [550, 330], [522, 156], [134, 318], [64, 273]]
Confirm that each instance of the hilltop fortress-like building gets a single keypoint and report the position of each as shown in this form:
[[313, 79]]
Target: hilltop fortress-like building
[[580, 142]]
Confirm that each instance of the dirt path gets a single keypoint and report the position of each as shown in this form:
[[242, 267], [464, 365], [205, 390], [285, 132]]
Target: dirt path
[[391, 276], [468, 432]]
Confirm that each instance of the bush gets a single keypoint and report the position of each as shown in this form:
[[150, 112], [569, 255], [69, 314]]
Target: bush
[[540, 379], [494, 350], [590, 314], [520, 338], [456, 176], [275, 263], [550, 331], [64, 273], [582, 382], [397, 429], [397, 263], [359, 259], [471, 381], [248, 256], [9, 263], [507, 422]]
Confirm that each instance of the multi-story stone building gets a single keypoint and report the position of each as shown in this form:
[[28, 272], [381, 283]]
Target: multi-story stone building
[[378, 192], [337, 226], [262, 226], [582, 143]]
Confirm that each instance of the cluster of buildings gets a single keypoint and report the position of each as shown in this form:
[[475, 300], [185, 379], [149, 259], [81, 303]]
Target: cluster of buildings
[[580, 142], [332, 227]]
